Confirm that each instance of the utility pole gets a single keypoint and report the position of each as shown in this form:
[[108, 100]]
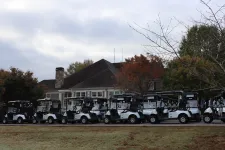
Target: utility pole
[[122, 54], [114, 55]]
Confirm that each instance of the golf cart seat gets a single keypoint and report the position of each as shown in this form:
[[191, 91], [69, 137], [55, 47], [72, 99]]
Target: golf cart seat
[[10, 115], [160, 110], [70, 114], [53, 110], [134, 107], [85, 110], [114, 113], [39, 115]]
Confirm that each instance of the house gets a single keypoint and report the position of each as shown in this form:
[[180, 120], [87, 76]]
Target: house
[[96, 80]]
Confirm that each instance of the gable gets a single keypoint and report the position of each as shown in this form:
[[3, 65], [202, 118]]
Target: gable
[[103, 79], [101, 73]]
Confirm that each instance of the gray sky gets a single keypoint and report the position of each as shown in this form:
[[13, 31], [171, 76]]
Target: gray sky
[[39, 35]]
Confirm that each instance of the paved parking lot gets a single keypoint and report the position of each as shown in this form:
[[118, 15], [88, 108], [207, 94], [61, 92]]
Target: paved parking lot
[[164, 123]]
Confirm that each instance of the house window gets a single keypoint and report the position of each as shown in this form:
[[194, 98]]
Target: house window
[[94, 94], [117, 92], [77, 94], [83, 94], [111, 94], [64, 102], [67, 94], [100, 94]]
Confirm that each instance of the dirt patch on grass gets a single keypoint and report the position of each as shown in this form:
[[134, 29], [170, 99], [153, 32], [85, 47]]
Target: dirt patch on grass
[[208, 142]]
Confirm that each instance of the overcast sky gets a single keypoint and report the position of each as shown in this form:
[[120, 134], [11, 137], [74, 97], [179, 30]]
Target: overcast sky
[[40, 35]]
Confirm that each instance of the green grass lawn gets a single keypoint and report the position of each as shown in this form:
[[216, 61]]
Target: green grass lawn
[[110, 138]]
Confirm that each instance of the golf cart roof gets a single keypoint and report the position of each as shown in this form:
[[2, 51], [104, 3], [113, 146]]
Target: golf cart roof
[[125, 95], [19, 101], [150, 94], [169, 92], [100, 99], [75, 98], [48, 99]]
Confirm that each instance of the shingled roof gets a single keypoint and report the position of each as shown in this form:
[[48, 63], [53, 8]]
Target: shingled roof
[[100, 74], [49, 83]]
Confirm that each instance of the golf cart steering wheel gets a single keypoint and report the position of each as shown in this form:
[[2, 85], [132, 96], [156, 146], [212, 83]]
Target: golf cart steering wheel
[[188, 107], [166, 104], [74, 108], [124, 111]]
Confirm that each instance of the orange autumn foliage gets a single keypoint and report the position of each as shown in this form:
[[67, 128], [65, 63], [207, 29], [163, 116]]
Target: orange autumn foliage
[[138, 72]]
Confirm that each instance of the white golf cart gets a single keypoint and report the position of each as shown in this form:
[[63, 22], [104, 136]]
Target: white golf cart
[[100, 107], [123, 108], [78, 110], [192, 105], [164, 106], [187, 101], [150, 104], [216, 109], [47, 110], [18, 111]]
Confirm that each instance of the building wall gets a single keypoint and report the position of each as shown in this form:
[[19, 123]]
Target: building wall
[[90, 92], [95, 92]]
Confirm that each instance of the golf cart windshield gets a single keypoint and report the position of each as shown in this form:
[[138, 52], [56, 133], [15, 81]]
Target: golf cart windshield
[[100, 104], [150, 102], [14, 107], [192, 100], [192, 103], [43, 106], [123, 102], [12, 110], [48, 105], [73, 104]]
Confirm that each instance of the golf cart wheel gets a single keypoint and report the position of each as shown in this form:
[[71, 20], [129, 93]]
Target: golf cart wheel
[[132, 119], [20, 120], [183, 118], [34, 121], [153, 119], [207, 118], [223, 120], [106, 120], [4, 121], [64, 120], [50, 120], [84, 120]]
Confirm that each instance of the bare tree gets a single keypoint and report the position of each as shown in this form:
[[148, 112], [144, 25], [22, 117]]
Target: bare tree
[[163, 43]]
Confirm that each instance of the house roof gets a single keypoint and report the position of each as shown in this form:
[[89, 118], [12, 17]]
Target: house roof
[[117, 65], [49, 83], [101, 73]]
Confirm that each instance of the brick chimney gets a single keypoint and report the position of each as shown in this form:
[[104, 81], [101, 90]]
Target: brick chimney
[[59, 77]]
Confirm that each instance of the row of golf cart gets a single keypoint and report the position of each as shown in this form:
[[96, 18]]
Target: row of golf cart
[[153, 107]]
